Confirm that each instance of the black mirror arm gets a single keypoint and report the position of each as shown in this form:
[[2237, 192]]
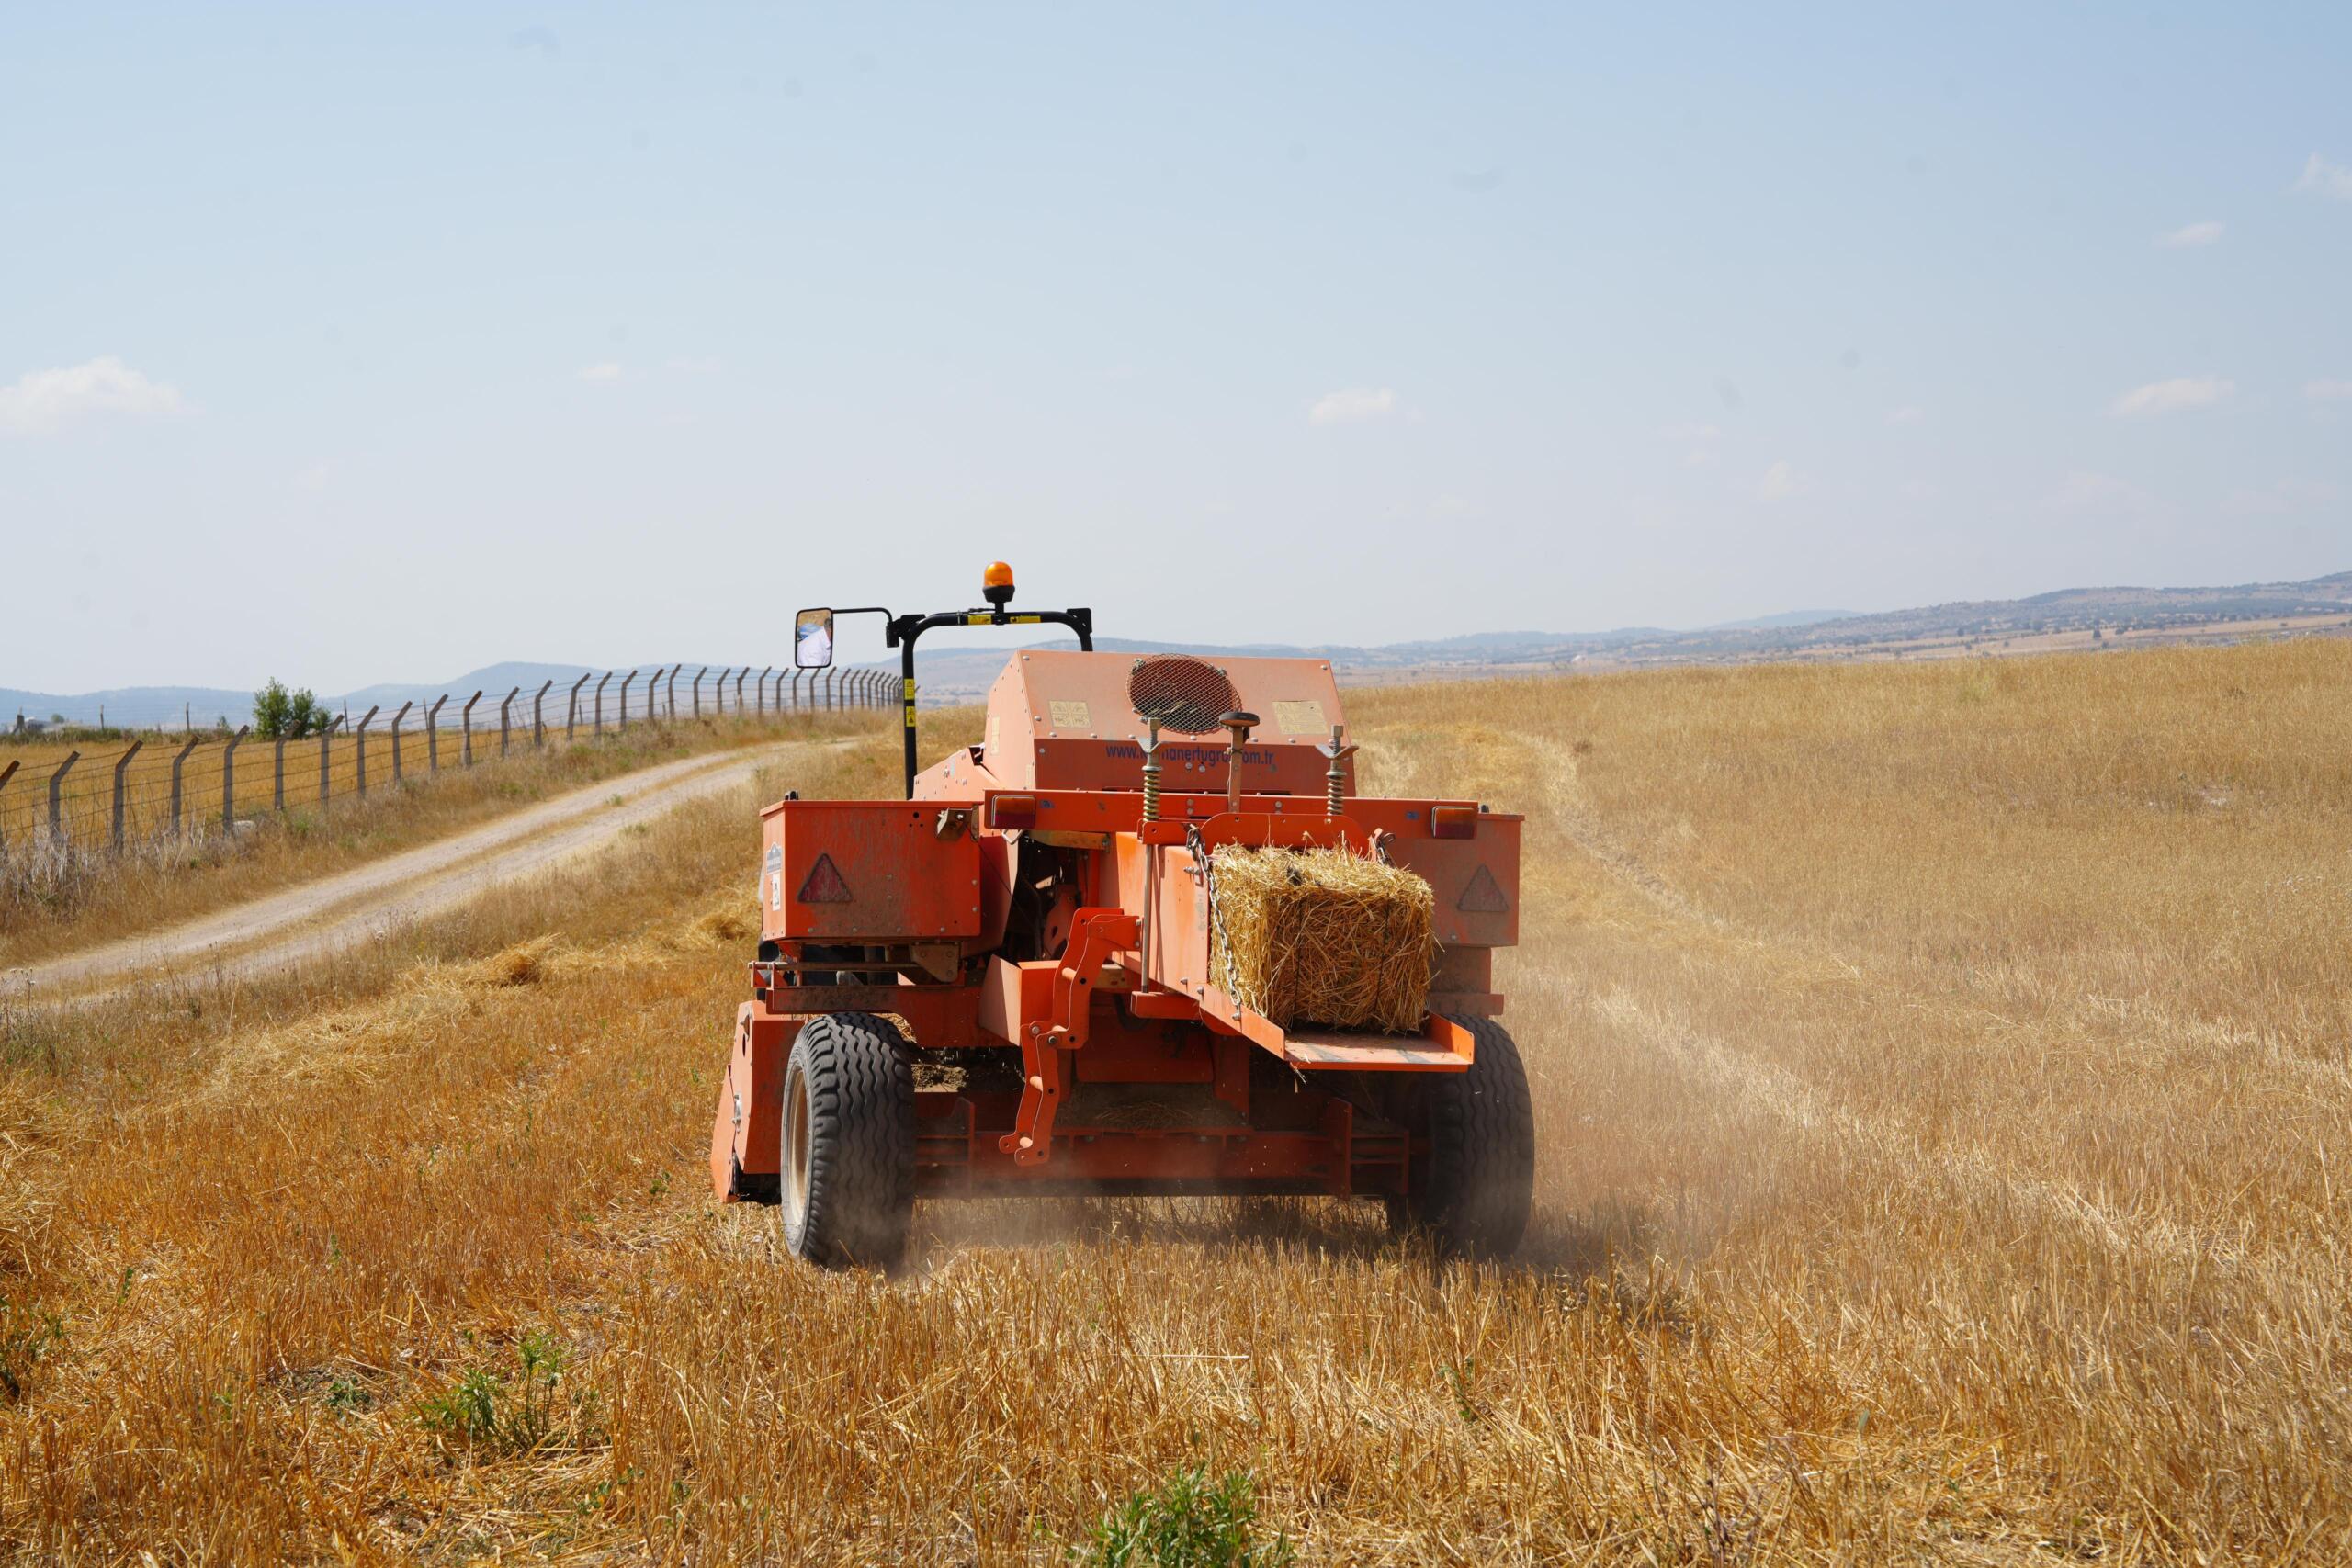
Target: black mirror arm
[[902, 632]]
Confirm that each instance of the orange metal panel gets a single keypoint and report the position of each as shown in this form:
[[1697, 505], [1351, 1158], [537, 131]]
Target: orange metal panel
[[849, 871], [745, 1135], [1066, 721], [1014, 995], [1476, 881]]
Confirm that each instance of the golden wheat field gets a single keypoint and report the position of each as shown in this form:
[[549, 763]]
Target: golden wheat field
[[1943, 1079]]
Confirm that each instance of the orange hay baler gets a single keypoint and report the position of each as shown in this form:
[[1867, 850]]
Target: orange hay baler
[[1002, 985]]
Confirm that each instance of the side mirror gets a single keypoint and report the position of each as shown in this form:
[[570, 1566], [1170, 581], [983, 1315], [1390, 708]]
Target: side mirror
[[812, 639]]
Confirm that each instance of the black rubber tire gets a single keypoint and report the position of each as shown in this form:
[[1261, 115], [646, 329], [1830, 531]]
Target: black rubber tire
[[849, 1198], [1473, 1192]]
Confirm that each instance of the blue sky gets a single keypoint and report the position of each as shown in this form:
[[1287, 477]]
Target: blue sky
[[370, 344]]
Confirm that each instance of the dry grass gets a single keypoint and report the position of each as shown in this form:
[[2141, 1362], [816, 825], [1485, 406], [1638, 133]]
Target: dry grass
[[1944, 1091], [1322, 936], [57, 898]]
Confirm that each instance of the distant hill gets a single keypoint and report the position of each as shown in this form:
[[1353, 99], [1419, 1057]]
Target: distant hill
[[963, 673]]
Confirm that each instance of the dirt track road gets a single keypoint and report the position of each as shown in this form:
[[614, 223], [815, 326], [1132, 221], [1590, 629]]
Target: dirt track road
[[337, 911]]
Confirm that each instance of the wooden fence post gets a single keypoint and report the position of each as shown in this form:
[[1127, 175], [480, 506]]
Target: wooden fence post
[[396, 741], [359, 778], [229, 779], [178, 758], [6, 774], [465, 719], [120, 763], [56, 806]]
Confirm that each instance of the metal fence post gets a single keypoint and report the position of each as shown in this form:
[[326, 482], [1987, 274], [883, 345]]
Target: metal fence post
[[178, 758], [795, 690], [739, 689], [277, 775], [539, 717], [625, 680], [229, 779], [672, 711], [360, 777], [56, 783], [6, 774], [571, 714], [504, 707], [600, 700], [396, 741], [465, 719], [326, 748], [694, 687], [432, 734], [121, 763]]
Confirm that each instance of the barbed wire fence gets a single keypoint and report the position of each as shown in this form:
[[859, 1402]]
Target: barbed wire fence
[[163, 786]]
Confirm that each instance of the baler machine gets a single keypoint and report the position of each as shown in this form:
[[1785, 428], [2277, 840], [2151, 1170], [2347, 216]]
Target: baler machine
[[1001, 986]]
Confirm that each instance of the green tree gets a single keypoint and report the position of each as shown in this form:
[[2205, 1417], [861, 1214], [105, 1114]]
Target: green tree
[[281, 714]]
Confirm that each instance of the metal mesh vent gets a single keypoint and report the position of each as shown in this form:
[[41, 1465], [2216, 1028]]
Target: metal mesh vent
[[1185, 695]]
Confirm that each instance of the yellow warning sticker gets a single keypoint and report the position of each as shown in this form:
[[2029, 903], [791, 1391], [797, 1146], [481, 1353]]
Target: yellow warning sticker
[[988, 743], [1070, 716], [1300, 718]]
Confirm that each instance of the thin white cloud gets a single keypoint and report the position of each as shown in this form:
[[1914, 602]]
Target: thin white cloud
[[1906, 414], [2324, 179], [2189, 236], [609, 371], [1704, 451], [2328, 391], [2180, 393], [2084, 491], [695, 364], [1352, 404], [1779, 482], [41, 399]]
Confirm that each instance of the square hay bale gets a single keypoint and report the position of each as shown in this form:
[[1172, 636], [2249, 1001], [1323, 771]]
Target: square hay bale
[[1322, 936]]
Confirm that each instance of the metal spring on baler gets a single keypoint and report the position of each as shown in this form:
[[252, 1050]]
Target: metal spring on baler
[[1151, 774], [1335, 778]]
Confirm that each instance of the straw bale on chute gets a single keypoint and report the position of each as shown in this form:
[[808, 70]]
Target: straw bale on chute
[[1332, 937]]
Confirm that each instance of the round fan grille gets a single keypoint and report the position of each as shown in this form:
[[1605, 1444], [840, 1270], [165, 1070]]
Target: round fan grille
[[1185, 695]]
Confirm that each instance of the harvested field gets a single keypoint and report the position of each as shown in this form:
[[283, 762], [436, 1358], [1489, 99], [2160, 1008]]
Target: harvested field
[[1943, 1094]]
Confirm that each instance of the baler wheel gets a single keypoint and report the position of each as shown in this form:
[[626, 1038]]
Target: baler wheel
[[848, 1152], [1473, 1192]]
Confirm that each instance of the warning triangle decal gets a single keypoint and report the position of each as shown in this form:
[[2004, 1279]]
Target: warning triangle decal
[[824, 884], [1483, 896]]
